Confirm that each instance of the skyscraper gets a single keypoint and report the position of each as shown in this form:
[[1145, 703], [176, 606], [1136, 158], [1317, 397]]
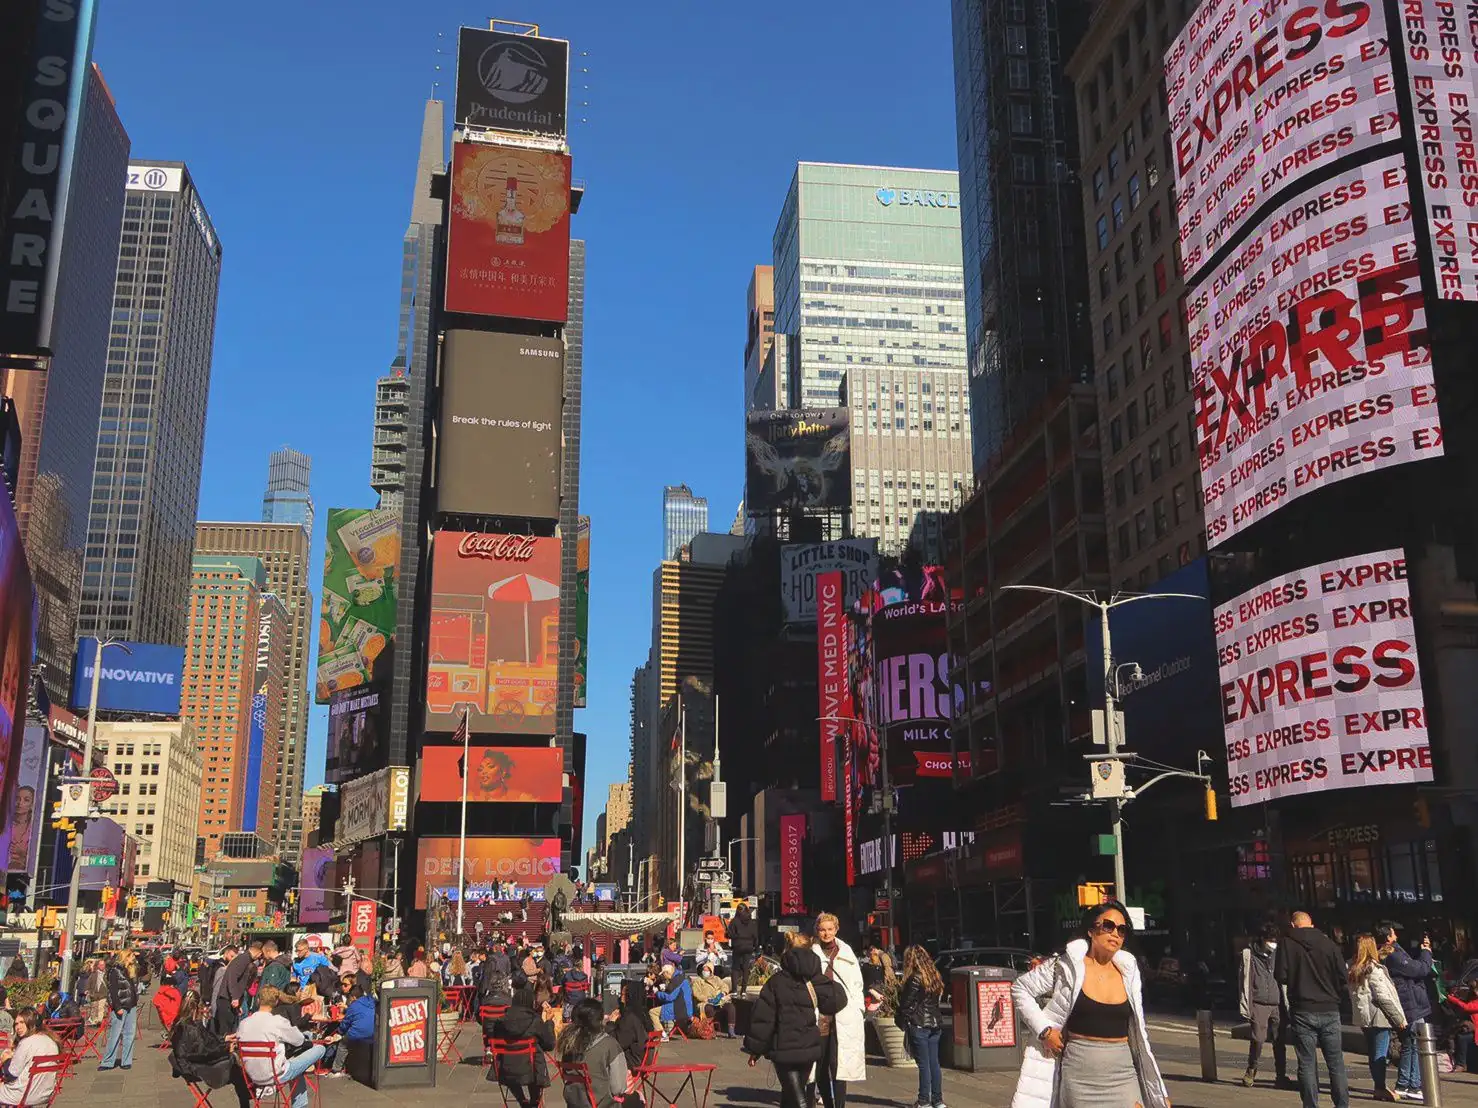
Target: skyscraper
[[287, 499], [58, 410], [683, 516], [151, 433], [759, 328], [869, 299], [282, 549], [387, 462]]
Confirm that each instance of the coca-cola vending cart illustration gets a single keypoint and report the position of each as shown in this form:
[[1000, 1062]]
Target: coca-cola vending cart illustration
[[494, 643]]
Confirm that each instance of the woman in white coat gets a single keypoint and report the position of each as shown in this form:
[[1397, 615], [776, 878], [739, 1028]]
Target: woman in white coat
[[1085, 1008], [845, 1049]]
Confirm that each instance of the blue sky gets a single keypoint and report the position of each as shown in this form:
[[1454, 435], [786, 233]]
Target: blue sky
[[299, 122]]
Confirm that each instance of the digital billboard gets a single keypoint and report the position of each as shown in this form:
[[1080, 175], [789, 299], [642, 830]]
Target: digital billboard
[[361, 566], [802, 564], [358, 725], [915, 694], [255, 748], [508, 238], [1310, 352], [23, 835], [315, 884], [512, 82], [501, 402], [582, 608], [1320, 687], [493, 647], [507, 774], [528, 863], [797, 458], [145, 679], [835, 719], [1261, 96]]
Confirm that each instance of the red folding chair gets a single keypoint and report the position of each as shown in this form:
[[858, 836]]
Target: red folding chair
[[446, 1040], [462, 997], [202, 1094], [70, 1036], [54, 1068], [648, 1059], [278, 1092], [502, 1050], [91, 1035], [486, 1014], [576, 1075]]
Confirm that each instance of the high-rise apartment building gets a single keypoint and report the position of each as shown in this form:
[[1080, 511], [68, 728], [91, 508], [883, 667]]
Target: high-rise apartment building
[[869, 299], [683, 516], [1141, 346], [759, 329], [287, 499], [159, 768], [224, 622], [1026, 293], [151, 432], [618, 810], [283, 550], [58, 410], [387, 461], [312, 815]]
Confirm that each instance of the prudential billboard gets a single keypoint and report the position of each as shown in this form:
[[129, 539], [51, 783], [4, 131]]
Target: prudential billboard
[[146, 679]]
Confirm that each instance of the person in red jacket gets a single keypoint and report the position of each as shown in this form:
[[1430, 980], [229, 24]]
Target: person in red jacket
[[1464, 1000]]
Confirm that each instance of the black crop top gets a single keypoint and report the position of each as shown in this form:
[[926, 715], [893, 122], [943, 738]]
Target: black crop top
[[1093, 1019]]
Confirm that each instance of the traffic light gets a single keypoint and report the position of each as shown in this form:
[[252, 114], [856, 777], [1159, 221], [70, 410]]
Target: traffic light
[[70, 827], [1423, 812], [1094, 892], [1210, 804]]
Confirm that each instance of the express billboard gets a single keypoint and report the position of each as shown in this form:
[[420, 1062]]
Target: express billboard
[[493, 646], [361, 565], [528, 863], [1310, 352], [1262, 96], [512, 82], [500, 774], [797, 458], [508, 239], [357, 734], [144, 679], [802, 565], [501, 402], [1320, 687]]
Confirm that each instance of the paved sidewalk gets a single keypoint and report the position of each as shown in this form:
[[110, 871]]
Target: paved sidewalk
[[149, 1082]]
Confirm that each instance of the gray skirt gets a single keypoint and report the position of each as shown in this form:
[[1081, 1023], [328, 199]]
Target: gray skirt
[[1097, 1075]]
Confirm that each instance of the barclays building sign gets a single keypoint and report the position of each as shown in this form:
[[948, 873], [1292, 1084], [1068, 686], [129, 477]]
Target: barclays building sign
[[920, 198]]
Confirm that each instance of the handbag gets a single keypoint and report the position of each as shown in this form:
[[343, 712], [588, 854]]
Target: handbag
[[823, 1022]]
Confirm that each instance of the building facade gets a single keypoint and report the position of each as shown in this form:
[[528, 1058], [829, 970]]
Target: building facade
[[618, 810], [759, 330], [869, 300], [312, 816], [387, 462], [683, 516], [288, 499], [151, 432], [283, 550], [159, 768]]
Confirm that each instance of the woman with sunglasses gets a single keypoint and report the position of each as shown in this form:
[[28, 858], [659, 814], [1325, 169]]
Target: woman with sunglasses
[[1086, 1009]]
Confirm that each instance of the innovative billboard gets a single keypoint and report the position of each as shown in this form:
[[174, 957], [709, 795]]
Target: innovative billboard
[[797, 458], [582, 608], [358, 730], [145, 679], [803, 564], [499, 438], [915, 694], [512, 82], [24, 827], [315, 884], [361, 566], [528, 863], [1319, 681], [508, 240], [493, 648], [1262, 96], [500, 774], [1310, 352]]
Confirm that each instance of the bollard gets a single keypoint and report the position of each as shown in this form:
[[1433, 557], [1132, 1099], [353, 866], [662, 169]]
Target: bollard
[[1206, 1033], [1426, 1052]]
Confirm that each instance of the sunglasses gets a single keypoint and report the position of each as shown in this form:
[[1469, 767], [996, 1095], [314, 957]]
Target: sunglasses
[[1109, 927]]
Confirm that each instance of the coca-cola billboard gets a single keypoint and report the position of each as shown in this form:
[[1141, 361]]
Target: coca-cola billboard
[[493, 647]]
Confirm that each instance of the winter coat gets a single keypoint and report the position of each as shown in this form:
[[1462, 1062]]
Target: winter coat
[[95, 986], [916, 1007], [123, 992], [348, 957], [167, 1003], [1245, 989], [782, 1026], [1375, 1002], [198, 1054], [359, 1019], [710, 990], [1311, 970], [606, 1064], [631, 1032], [521, 1025], [1411, 976], [1059, 981], [277, 973], [677, 1000], [237, 977], [744, 934], [846, 970]]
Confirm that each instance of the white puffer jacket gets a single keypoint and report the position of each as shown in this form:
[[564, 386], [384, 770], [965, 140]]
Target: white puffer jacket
[[1045, 996], [1375, 1002]]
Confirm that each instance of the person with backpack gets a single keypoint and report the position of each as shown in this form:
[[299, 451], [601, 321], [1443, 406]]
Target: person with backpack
[[785, 1026]]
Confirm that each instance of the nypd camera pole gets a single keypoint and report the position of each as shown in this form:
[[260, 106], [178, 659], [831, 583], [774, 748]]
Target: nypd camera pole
[[75, 888]]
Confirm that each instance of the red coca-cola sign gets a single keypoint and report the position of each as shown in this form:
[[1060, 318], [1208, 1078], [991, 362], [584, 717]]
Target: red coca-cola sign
[[499, 548]]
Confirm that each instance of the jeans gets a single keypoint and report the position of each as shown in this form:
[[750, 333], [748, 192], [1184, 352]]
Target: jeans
[[924, 1042], [1377, 1046], [1409, 1072], [123, 1029], [833, 1092], [1320, 1031], [292, 1074]]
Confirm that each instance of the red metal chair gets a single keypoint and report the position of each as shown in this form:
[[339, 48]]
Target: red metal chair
[[92, 1035], [576, 1075], [486, 1014], [462, 997], [71, 1039], [278, 1092], [53, 1067], [446, 1041], [648, 1059], [202, 1094], [501, 1050]]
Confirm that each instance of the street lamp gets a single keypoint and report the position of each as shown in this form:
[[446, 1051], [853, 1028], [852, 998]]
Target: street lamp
[[735, 842], [1110, 694], [74, 889]]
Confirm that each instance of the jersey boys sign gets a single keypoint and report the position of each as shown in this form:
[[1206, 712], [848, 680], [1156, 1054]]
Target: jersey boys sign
[[1319, 682], [1264, 94], [1310, 351]]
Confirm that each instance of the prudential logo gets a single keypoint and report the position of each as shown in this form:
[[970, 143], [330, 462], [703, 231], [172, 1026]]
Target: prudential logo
[[917, 198], [513, 72]]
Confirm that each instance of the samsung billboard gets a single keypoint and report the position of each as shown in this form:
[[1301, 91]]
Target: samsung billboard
[[136, 677]]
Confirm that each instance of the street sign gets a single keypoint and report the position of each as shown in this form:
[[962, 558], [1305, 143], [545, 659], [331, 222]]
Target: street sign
[[104, 784], [711, 865], [100, 859]]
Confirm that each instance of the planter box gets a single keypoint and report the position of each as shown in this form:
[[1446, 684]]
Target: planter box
[[886, 1040]]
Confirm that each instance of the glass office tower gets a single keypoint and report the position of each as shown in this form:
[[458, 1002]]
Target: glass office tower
[[287, 500], [683, 516]]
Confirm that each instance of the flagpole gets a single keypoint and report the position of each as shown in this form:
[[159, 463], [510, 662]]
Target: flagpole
[[682, 807], [462, 840]]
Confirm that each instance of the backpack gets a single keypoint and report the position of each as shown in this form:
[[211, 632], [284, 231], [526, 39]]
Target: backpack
[[325, 980]]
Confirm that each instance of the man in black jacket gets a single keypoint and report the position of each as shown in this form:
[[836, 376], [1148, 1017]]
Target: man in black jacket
[[1309, 966], [236, 982], [744, 935]]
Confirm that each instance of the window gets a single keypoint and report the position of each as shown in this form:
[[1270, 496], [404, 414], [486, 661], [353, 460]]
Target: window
[[1124, 320], [1167, 385], [1021, 119], [1152, 169], [1121, 492], [1136, 243], [1113, 164], [1026, 167], [1181, 502], [1154, 223], [1016, 41], [1162, 521], [1113, 382], [1161, 282], [1103, 237], [1146, 351], [1141, 297], [1098, 185], [1124, 551], [1147, 117], [1104, 288], [1128, 368], [1157, 460], [1136, 474], [1116, 434], [1131, 416], [1129, 141], [1118, 209], [1108, 330], [1019, 73], [1173, 438], [1165, 331], [1121, 264], [1134, 193], [1141, 530], [1151, 405]]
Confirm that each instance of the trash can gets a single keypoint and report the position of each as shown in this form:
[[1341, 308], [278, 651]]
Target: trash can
[[405, 1034], [986, 1035]]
